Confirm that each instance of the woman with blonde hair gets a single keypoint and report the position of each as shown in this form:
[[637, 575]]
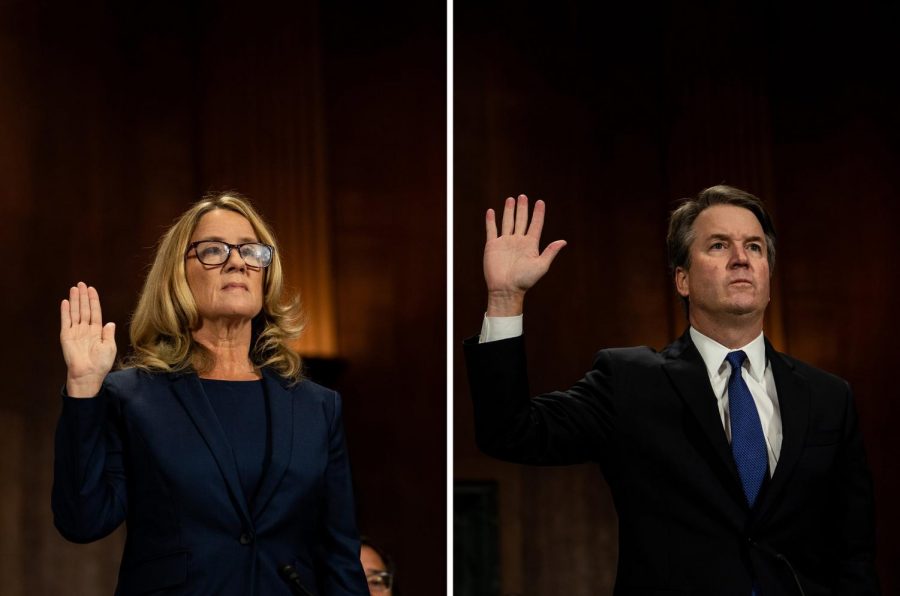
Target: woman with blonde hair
[[229, 468]]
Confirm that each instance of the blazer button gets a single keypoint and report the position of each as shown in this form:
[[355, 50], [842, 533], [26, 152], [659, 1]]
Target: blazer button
[[246, 538]]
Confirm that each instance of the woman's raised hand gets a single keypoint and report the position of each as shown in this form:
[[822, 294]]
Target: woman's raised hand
[[88, 346], [513, 261]]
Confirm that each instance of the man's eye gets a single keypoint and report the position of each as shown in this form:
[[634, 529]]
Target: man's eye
[[755, 247], [717, 245]]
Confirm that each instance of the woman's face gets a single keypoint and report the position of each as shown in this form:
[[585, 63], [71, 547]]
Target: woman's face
[[373, 566], [232, 290]]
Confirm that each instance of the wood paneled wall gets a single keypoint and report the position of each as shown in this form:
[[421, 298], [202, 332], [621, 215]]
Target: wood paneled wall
[[611, 113], [116, 117], [385, 101]]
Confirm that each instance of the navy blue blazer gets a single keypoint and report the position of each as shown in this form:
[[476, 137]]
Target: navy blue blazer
[[148, 450]]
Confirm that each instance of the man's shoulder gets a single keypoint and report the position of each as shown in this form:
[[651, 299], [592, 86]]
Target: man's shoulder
[[633, 358], [648, 356], [808, 371], [633, 355]]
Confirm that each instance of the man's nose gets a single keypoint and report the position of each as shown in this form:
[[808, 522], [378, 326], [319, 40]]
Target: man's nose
[[739, 256]]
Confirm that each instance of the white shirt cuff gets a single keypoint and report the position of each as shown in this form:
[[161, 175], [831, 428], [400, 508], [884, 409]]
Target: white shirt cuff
[[497, 328]]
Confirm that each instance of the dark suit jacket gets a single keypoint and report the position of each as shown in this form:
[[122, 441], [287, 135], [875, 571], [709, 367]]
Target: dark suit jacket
[[149, 450], [651, 421]]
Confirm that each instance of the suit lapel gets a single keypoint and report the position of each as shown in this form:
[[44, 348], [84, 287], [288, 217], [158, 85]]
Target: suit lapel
[[793, 403], [281, 415], [190, 393], [687, 371]]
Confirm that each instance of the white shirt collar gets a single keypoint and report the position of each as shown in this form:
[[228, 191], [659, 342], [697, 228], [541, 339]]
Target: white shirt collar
[[713, 354]]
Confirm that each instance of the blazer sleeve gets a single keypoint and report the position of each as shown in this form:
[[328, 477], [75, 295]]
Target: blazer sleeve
[[558, 428], [856, 511], [339, 569], [89, 491]]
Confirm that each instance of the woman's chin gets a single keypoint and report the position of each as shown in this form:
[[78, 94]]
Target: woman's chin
[[237, 314]]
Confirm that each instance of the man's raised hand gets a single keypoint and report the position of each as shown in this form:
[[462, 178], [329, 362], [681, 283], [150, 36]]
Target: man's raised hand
[[88, 346], [513, 262]]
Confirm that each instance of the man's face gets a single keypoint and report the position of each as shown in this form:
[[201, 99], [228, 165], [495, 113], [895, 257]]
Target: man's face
[[729, 272]]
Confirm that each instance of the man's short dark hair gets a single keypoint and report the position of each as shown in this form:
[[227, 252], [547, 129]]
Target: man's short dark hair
[[681, 223]]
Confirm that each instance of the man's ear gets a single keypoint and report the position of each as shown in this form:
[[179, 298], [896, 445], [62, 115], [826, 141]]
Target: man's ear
[[681, 282]]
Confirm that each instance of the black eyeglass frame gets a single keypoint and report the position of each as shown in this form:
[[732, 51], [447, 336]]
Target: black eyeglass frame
[[193, 247], [385, 575]]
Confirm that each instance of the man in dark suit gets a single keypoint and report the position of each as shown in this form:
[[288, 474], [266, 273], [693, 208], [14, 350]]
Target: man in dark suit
[[735, 469]]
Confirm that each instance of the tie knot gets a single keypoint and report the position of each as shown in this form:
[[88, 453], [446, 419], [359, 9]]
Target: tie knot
[[736, 359]]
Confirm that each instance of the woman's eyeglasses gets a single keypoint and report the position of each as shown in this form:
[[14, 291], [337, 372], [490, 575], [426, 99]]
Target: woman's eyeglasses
[[215, 252]]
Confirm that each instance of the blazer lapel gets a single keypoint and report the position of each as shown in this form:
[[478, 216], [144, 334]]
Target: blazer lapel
[[793, 403], [281, 415], [190, 393], [687, 371]]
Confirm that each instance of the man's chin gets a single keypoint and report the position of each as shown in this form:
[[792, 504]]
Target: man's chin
[[741, 309]]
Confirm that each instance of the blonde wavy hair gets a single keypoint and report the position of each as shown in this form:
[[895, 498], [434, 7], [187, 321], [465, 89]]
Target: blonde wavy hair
[[166, 314]]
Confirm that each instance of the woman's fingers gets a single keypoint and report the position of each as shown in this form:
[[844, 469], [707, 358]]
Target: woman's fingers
[[74, 310], [88, 346], [94, 299], [84, 304]]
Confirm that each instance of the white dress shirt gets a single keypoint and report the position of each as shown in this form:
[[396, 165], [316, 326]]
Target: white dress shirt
[[756, 372]]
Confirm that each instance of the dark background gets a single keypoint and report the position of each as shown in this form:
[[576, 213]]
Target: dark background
[[114, 117], [611, 112]]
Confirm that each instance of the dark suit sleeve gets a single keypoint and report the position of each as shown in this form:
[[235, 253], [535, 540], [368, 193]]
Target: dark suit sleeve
[[89, 492], [340, 570], [563, 427], [855, 506]]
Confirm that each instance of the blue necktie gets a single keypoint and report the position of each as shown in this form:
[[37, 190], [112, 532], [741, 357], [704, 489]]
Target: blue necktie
[[748, 444]]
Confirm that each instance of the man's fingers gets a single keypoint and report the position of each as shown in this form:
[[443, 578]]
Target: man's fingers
[[65, 319], [521, 215], [537, 220], [509, 208], [96, 313], [551, 251], [490, 224]]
